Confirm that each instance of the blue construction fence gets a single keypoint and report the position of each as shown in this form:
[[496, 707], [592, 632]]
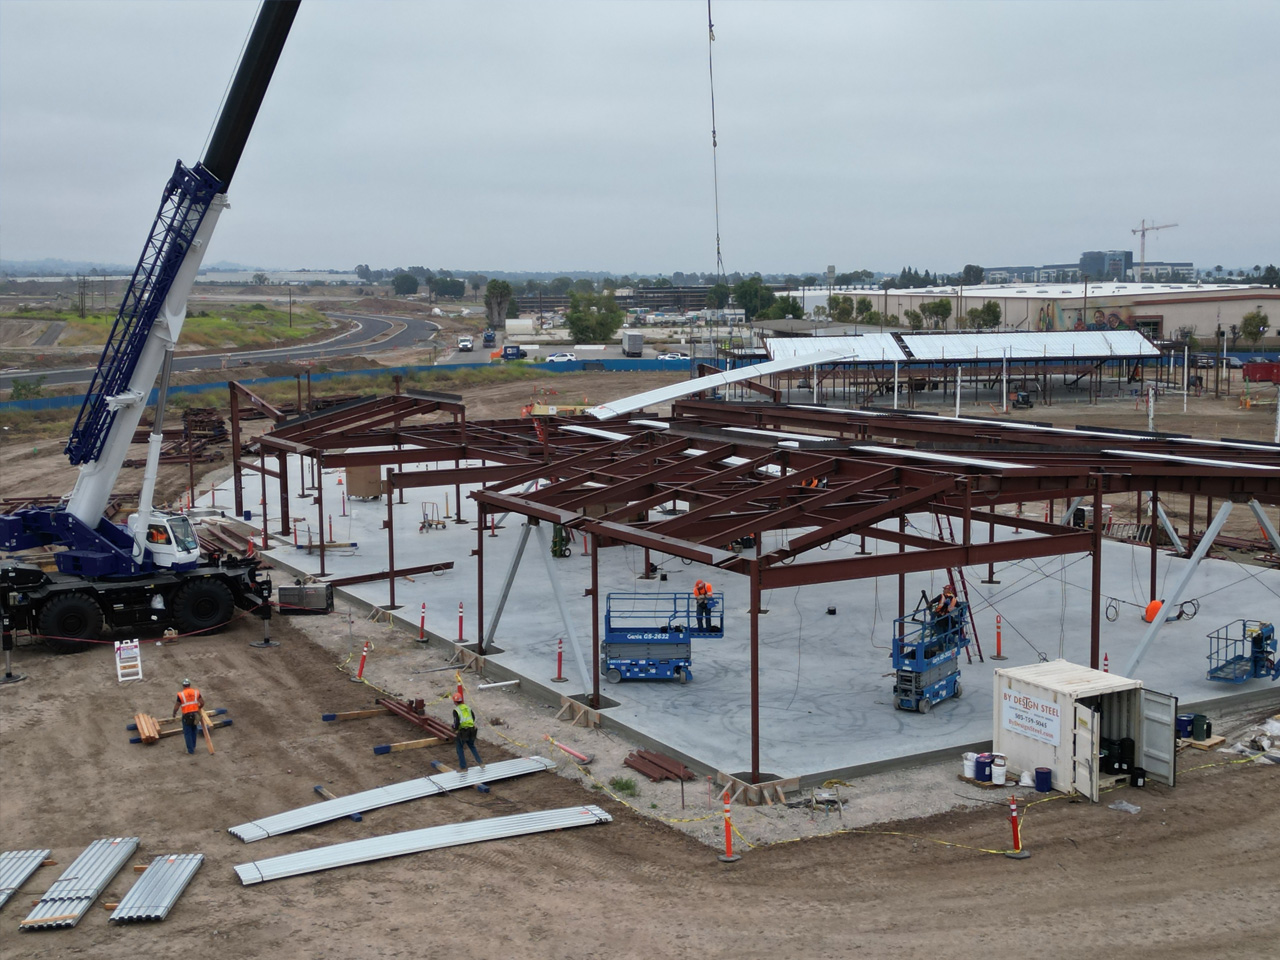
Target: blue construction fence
[[572, 366]]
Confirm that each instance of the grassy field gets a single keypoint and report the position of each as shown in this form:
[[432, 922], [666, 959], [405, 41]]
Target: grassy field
[[245, 326]]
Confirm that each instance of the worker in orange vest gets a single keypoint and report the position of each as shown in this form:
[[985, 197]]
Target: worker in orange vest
[[190, 702], [704, 595]]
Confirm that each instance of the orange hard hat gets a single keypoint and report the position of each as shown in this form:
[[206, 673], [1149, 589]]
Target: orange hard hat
[[457, 698]]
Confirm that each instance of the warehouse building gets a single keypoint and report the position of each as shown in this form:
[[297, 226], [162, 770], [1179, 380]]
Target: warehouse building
[[1160, 311]]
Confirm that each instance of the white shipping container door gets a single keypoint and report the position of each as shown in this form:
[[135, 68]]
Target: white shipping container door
[[1159, 713], [1085, 745]]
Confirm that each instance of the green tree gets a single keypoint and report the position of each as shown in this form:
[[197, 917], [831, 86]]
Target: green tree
[[476, 281], [1253, 326], [718, 296], [260, 279], [560, 286], [363, 272], [752, 296], [840, 307], [972, 275], [662, 283], [983, 317], [29, 389], [448, 287], [404, 284], [593, 318], [914, 318], [782, 307], [1271, 276], [584, 285], [862, 308], [936, 312], [497, 297]]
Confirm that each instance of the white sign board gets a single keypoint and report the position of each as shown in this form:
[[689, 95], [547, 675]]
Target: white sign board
[[1030, 716]]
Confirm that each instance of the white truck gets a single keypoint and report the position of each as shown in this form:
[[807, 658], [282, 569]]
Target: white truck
[[465, 344], [632, 343]]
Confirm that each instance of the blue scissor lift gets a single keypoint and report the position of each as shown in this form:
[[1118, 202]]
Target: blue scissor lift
[[1243, 650], [648, 636], [926, 655]]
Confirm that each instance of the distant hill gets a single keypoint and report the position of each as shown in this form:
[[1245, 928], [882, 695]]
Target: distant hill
[[61, 268]]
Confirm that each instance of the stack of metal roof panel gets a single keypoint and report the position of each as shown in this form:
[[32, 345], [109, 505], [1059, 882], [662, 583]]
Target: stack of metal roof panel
[[159, 887], [15, 867], [80, 884], [418, 841], [385, 796]]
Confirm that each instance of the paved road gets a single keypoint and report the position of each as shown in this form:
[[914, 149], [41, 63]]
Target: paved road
[[369, 335]]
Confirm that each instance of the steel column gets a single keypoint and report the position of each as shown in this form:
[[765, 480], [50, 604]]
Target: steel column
[[479, 552], [595, 619], [1095, 604], [755, 671], [1155, 505]]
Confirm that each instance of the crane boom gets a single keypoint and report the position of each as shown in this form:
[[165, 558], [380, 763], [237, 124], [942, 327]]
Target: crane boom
[[1143, 230], [154, 307]]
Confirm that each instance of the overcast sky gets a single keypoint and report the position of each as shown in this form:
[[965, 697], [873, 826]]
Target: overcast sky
[[576, 136]]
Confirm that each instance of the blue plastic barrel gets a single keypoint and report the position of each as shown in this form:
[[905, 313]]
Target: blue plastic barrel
[[1184, 721], [1044, 779], [982, 767]]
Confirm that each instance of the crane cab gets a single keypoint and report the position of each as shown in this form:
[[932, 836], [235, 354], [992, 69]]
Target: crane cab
[[170, 541]]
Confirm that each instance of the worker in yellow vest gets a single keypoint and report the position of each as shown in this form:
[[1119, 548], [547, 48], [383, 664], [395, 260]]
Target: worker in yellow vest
[[190, 702], [704, 596], [464, 729]]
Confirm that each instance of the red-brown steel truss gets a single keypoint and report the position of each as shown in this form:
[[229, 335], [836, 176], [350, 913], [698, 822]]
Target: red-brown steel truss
[[834, 474]]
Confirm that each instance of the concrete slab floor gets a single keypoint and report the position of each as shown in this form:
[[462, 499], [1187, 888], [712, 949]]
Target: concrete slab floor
[[826, 705]]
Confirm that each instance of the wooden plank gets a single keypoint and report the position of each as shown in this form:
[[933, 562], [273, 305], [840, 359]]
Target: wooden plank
[[204, 727], [57, 919]]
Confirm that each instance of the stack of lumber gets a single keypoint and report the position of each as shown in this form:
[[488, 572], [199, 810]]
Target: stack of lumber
[[658, 766], [148, 729]]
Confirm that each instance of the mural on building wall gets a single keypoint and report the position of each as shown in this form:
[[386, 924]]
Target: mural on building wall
[[1053, 317]]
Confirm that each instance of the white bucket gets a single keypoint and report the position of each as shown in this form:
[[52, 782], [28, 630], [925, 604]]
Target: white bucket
[[970, 764], [998, 769]]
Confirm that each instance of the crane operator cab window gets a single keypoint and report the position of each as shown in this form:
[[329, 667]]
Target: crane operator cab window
[[158, 533], [183, 535]]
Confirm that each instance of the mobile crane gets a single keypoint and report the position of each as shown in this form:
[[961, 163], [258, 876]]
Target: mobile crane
[[148, 571]]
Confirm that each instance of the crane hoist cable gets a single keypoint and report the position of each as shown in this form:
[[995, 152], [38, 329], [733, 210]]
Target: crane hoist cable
[[715, 169]]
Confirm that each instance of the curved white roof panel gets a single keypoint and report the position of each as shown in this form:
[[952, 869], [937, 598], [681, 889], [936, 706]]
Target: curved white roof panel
[[1029, 346], [872, 346]]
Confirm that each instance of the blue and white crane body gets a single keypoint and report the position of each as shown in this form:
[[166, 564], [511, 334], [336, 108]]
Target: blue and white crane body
[[149, 570]]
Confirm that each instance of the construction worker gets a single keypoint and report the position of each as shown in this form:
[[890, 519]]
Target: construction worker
[[190, 702], [464, 728], [705, 596], [944, 609]]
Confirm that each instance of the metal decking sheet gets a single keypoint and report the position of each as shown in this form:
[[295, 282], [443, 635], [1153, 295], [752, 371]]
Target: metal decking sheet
[[316, 813], [159, 887], [15, 867], [80, 884], [418, 841]]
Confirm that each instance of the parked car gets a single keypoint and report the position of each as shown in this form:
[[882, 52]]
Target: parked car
[[1235, 363], [1202, 360], [465, 344], [561, 358], [673, 356]]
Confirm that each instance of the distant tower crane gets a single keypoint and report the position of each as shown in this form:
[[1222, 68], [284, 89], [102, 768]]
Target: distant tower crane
[[1142, 245]]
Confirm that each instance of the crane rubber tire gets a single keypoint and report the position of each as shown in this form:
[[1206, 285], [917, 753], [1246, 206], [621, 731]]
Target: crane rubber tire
[[959, 690], [613, 675], [202, 605], [67, 618], [925, 705]]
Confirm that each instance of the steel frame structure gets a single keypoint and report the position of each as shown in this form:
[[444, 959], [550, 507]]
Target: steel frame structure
[[815, 474]]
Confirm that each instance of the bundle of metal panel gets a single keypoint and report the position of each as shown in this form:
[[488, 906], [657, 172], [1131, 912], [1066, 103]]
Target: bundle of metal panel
[[159, 887], [386, 796], [418, 841], [80, 884], [15, 867]]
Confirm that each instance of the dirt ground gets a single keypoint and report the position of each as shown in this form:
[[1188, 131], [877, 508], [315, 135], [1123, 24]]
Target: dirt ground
[[1192, 874], [911, 867]]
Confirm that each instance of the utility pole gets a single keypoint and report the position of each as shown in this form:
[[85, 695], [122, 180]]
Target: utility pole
[[1142, 244]]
